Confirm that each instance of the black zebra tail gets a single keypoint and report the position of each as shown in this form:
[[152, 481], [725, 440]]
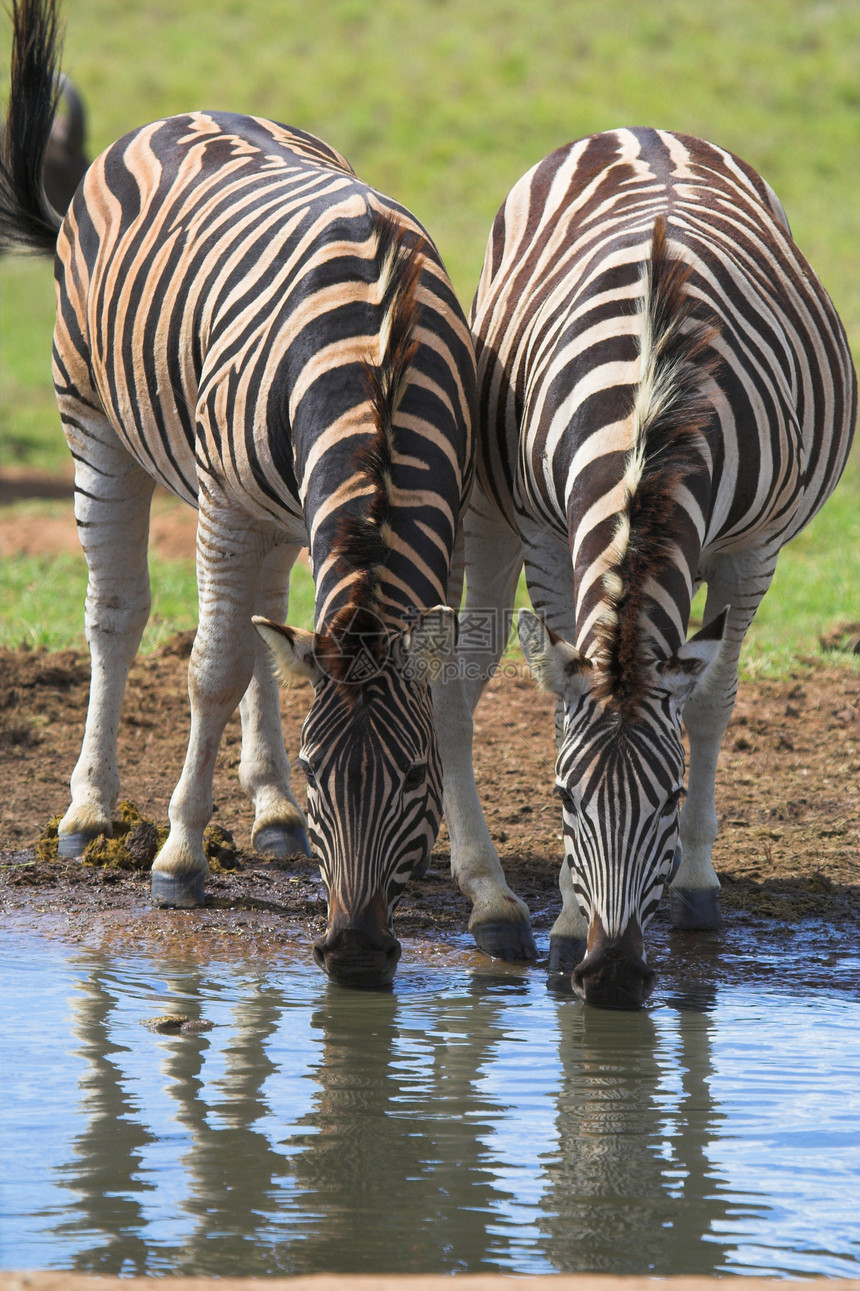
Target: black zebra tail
[[27, 220]]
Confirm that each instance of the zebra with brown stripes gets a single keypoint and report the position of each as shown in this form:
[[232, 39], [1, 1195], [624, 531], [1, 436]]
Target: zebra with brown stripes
[[666, 397], [244, 321]]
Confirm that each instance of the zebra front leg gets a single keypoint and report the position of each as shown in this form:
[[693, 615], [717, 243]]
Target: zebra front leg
[[499, 920], [549, 580], [569, 933], [112, 501], [739, 582], [264, 770], [229, 556]]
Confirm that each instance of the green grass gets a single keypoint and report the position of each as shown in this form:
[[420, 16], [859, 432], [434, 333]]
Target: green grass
[[815, 590], [30, 433], [43, 600], [444, 105]]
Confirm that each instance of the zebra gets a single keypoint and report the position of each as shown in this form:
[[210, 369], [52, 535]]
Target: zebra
[[243, 320], [666, 397], [66, 160]]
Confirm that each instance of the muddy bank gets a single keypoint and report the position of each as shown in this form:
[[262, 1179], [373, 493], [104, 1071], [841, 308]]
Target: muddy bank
[[788, 802]]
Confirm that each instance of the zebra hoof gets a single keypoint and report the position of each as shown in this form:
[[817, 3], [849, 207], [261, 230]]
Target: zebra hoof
[[564, 954], [503, 940], [70, 846], [696, 910], [178, 891], [282, 840], [560, 984], [676, 864], [421, 868]]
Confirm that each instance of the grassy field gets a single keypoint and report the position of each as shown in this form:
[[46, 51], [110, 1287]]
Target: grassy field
[[444, 105], [816, 588]]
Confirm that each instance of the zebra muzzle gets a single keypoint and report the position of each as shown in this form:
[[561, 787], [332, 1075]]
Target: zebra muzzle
[[359, 950], [614, 974]]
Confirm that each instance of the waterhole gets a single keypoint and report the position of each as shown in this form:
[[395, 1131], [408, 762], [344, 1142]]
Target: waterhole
[[468, 1120]]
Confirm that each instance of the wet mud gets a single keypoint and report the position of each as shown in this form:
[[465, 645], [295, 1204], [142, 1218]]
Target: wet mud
[[787, 855]]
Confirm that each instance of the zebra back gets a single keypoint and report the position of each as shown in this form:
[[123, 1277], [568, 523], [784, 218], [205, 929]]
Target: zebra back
[[640, 270], [252, 316], [666, 398]]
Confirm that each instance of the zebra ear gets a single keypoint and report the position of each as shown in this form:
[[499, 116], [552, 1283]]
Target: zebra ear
[[427, 643], [556, 665], [292, 650], [689, 667]]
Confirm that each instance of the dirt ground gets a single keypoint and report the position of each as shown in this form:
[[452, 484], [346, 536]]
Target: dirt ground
[[788, 798]]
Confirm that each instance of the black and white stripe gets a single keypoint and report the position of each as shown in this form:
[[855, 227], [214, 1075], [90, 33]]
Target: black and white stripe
[[666, 398], [244, 321]]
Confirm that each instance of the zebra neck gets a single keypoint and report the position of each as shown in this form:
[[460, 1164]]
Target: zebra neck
[[393, 560], [634, 575], [359, 600]]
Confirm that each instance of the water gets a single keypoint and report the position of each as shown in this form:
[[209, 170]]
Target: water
[[466, 1121]]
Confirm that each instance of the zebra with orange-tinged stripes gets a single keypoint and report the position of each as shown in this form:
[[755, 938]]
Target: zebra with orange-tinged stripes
[[244, 321], [666, 397]]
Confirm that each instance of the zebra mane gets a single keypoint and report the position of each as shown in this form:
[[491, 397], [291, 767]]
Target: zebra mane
[[670, 414], [364, 540]]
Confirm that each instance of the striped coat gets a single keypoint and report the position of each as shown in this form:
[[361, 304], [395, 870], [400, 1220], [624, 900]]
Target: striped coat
[[244, 321], [666, 397], [225, 283]]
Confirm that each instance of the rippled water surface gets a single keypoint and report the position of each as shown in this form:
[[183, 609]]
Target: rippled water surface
[[466, 1121]]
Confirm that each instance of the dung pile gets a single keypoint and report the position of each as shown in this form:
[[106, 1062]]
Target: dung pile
[[135, 844]]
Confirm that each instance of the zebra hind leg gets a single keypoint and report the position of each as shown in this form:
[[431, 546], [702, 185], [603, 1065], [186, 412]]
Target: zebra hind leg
[[264, 771], [548, 574], [112, 501], [739, 581], [569, 933]]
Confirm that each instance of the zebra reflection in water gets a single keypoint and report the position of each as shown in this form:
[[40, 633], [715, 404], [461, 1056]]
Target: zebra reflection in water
[[329, 1130], [631, 1154], [105, 1227]]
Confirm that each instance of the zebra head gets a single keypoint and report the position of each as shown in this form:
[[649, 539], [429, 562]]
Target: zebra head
[[374, 775], [620, 780]]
